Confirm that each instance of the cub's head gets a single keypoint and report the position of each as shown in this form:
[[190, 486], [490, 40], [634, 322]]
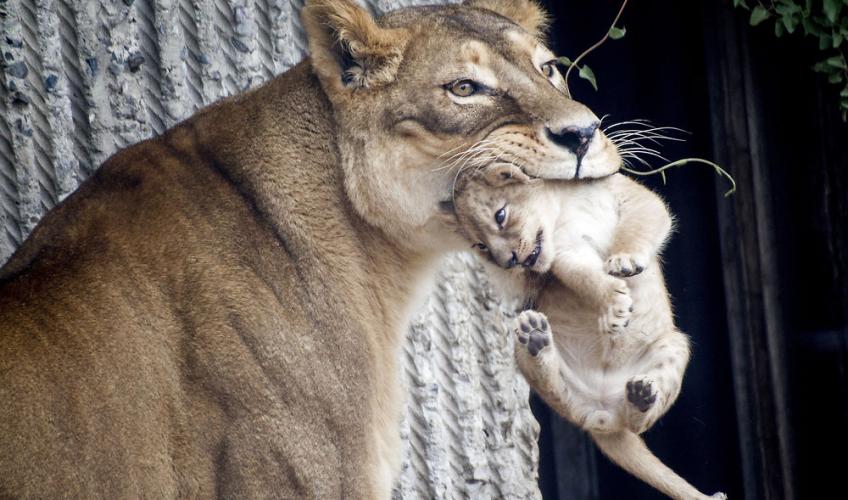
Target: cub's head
[[423, 93], [508, 216]]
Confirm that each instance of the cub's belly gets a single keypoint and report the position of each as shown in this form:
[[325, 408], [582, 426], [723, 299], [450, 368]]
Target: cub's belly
[[600, 364]]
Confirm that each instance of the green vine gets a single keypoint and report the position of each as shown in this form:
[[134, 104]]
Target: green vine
[[633, 139], [826, 20], [685, 161], [585, 72]]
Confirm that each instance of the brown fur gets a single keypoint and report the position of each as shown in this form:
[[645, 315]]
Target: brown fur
[[217, 311]]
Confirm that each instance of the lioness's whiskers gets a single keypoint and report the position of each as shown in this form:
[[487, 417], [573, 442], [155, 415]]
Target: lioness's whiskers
[[643, 135], [636, 154], [637, 149], [625, 143], [639, 122], [461, 155]]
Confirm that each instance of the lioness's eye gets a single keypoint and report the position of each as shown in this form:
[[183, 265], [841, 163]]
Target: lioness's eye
[[463, 88], [500, 216], [548, 69]]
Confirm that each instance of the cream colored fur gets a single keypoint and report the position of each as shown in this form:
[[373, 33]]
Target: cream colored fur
[[603, 351], [217, 312]]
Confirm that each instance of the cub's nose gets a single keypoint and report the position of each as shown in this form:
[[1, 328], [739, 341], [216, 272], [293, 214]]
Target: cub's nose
[[574, 139]]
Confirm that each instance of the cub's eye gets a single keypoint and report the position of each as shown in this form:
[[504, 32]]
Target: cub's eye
[[500, 216], [548, 69], [480, 246], [463, 88]]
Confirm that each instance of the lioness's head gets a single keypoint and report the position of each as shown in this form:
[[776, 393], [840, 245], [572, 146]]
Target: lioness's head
[[509, 217], [422, 93]]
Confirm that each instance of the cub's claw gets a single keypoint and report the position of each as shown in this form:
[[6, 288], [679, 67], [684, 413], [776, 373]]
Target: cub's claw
[[533, 331], [624, 265], [641, 393]]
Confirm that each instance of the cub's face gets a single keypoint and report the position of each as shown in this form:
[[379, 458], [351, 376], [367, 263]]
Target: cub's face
[[510, 223], [425, 93]]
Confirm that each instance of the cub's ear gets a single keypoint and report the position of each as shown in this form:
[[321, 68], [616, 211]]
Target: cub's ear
[[503, 174], [347, 48], [526, 13]]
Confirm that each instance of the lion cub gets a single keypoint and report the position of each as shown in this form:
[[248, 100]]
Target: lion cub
[[605, 354]]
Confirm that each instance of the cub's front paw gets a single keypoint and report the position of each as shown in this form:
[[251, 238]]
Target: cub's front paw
[[641, 392], [624, 265], [616, 308], [533, 331]]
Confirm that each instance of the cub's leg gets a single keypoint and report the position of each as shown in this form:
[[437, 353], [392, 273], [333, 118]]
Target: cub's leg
[[551, 378], [642, 229], [581, 272], [649, 394]]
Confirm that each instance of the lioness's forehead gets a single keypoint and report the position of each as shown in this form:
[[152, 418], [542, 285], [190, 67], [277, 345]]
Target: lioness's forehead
[[495, 32]]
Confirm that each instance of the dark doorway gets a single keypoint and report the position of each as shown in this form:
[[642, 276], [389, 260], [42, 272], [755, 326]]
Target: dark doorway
[[758, 280]]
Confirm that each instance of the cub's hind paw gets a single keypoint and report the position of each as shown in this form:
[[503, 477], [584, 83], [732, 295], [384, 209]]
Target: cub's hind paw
[[641, 393], [624, 265], [616, 309], [719, 496], [533, 331]]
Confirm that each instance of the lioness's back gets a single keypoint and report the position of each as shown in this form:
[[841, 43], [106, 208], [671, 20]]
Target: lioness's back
[[89, 344], [158, 334]]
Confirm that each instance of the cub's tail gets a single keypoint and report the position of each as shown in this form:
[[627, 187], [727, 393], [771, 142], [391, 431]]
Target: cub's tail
[[629, 452]]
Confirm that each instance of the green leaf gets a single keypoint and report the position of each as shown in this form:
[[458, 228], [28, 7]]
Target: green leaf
[[825, 41], [831, 9], [836, 62], [778, 29], [741, 3], [790, 22], [566, 62], [808, 26], [821, 67], [587, 74], [616, 33], [844, 92], [835, 77], [785, 8], [837, 40], [758, 15]]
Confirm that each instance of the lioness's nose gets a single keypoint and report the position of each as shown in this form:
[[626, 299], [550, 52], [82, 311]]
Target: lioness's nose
[[575, 139]]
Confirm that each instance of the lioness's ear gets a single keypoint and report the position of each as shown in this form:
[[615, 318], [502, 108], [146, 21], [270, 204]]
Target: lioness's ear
[[347, 47], [526, 13], [503, 174]]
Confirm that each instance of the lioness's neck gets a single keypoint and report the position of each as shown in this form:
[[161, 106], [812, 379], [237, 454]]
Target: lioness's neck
[[277, 144]]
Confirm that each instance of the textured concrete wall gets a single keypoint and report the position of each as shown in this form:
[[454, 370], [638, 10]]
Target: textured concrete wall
[[81, 79]]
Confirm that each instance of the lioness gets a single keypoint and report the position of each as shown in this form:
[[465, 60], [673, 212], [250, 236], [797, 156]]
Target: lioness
[[611, 359], [217, 311]]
